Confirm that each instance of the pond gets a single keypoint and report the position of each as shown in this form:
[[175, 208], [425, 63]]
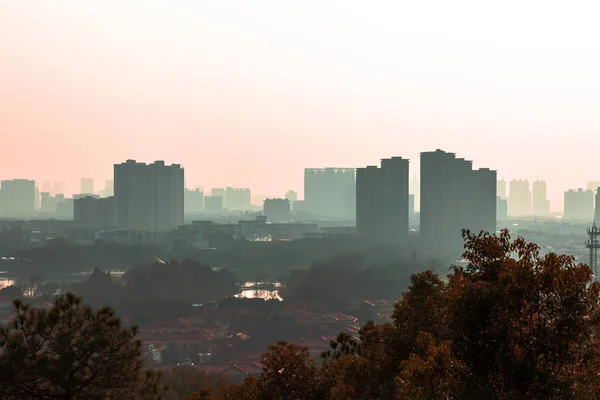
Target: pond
[[260, 290]]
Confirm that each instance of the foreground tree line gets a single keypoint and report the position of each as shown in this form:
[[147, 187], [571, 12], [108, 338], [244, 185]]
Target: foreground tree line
[[512, 324]]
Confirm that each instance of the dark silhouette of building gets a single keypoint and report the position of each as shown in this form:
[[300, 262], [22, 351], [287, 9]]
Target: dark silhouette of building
[[329, 193], [17, 198], [454, 197], [382, 201], [149, 196], [277, 210], [96, 213]]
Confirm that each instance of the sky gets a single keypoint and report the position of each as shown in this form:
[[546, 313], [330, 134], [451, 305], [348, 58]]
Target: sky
[[249, 93]]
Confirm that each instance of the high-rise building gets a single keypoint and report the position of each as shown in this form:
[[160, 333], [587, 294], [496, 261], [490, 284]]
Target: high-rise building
[[579, 205], [541, 205], [414, 188], [411, 204], [238, 199], [109, 188], [149, 196], [382, 201], [193, 201], [87, 186], [329, 193], [501, 188], [277, 210], [519, 200], [213, 205], [96, 213], [17, 198], [454, 197]]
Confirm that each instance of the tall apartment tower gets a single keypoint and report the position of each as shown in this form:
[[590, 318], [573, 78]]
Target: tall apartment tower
[[382, 201], [149, 197], [17, 198], [330, 192], [540, 203], [519, 199], [579, 205], [454, 197]]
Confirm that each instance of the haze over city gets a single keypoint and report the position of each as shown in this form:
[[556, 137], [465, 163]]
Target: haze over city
[[248, 94]]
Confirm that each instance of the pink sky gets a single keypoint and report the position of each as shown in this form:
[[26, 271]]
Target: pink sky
[[249, 93]]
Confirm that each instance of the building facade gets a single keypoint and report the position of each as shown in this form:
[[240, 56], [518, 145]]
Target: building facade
[[382, 201], [540, 202], [277, 210], [329, 193], [454, 197], [96, 213], [149, 196], [579, 205], [17, 198], [519, 200], [193, 201]]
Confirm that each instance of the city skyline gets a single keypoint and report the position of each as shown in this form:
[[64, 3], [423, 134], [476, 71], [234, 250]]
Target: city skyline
[[90, 85]]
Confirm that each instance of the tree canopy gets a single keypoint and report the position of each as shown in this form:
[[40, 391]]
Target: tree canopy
[[511, 324], [70, 351]]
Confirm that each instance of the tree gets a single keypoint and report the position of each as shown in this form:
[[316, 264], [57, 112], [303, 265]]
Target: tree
[[289, 372], [70, 351], [343, 344]]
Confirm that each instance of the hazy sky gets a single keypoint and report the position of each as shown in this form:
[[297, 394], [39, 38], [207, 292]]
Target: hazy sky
[[248, 93]]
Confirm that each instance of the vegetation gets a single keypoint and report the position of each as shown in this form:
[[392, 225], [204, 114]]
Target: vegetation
[[512, 324], [70, 351]]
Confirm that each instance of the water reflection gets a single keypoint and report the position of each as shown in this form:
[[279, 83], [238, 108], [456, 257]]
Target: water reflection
[[260, 290]]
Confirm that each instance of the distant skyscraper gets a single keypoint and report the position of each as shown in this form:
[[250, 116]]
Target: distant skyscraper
[[579, 205], [109, 188], [454, 197], [501, 188], [194, 201], [149, 196], [330, 192], [87, 186], [17, 198], [277, 210], [519, 200], [541, 205], [415, 189], [238, 199], [382, 201], [96, 213], [411, 204]]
